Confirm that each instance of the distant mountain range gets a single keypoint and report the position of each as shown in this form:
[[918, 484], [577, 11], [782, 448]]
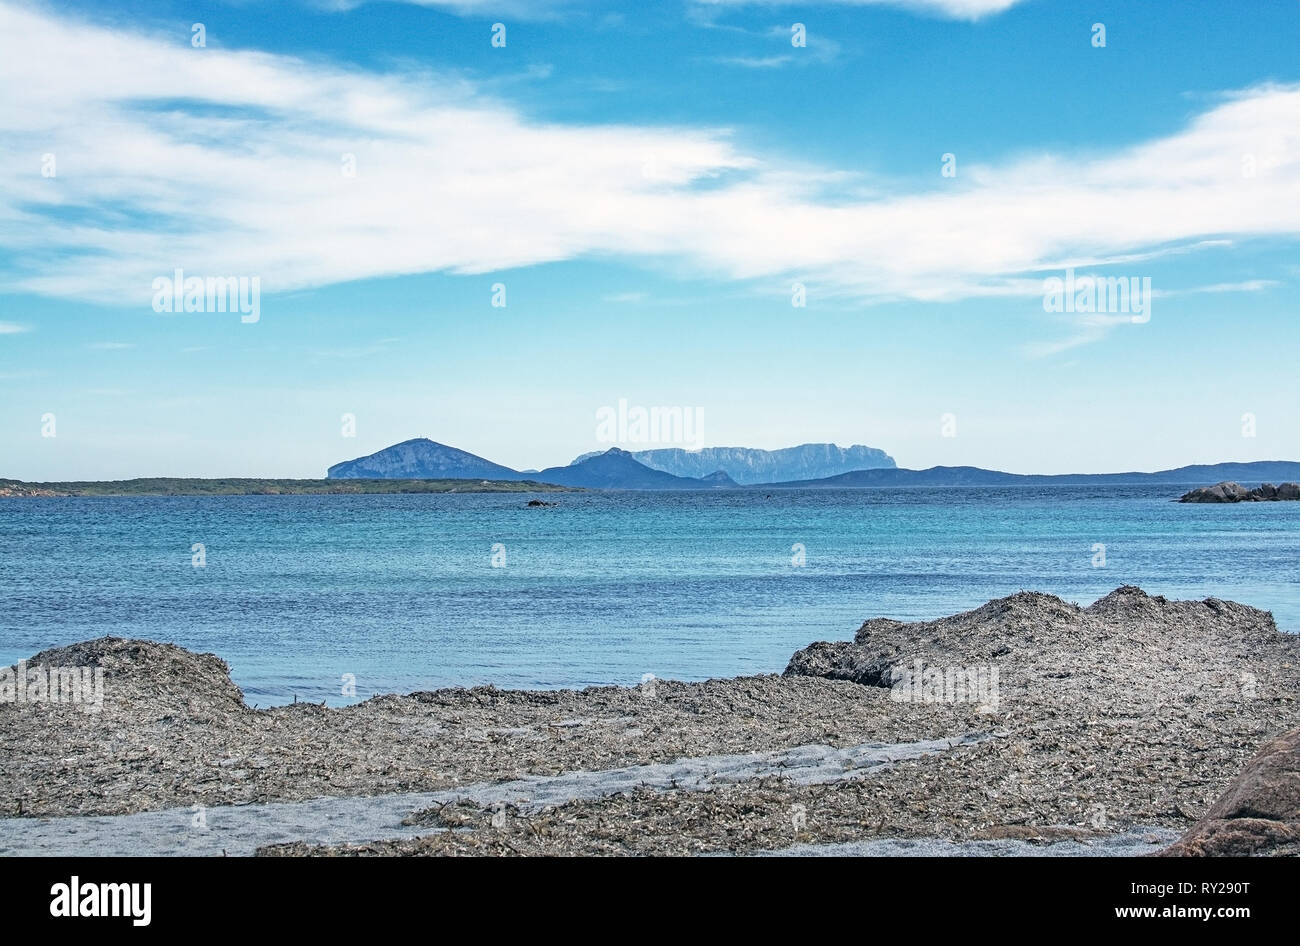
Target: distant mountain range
[[1255, 472], [746, 465], [739, 468], [427, 459]]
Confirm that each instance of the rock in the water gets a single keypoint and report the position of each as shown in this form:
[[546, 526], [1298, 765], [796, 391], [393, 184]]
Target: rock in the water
[[1236, 493], [1258, 814]]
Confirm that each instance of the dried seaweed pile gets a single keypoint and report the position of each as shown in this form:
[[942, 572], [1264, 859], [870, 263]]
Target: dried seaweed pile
[[1136, 710]]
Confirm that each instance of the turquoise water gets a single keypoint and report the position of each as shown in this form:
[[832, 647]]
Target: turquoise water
[[400, 590]]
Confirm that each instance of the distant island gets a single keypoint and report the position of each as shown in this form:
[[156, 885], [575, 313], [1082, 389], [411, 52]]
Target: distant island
[[1257, 471], [742, 467], [425, 466], [670, 468]]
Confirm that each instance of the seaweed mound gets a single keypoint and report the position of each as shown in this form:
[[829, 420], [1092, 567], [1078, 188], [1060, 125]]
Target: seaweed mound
[[151, 681]]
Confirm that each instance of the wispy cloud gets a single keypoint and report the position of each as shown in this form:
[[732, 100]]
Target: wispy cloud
[[953, 9], [816, 47], [1088, 328], [1091, 327], [756, 62], [243, 176], [516, 9], [12, 328], [547, 9], [359, 351], [1247, 285], [110, 346]]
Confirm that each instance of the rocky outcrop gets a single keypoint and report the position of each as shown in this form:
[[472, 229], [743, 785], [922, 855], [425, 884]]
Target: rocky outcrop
[[1228, 492], [16, 488], [1258, 814]]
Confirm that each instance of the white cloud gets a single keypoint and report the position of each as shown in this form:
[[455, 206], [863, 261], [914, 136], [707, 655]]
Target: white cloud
[[1094, 326], [229, 163], [518, 9], [535, 9], [1088, 328], [12, 328], [756, 62], [110, 346], [819, 49], [954, 9], [1246, 285]]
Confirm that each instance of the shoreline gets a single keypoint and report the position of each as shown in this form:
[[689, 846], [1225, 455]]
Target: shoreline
[[875, 480], [1133, 713]]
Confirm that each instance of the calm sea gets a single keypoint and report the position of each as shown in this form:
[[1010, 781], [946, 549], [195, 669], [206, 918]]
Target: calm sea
[[402, 592]]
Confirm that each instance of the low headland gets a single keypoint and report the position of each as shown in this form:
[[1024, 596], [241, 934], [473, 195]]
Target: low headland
[[182, 486]]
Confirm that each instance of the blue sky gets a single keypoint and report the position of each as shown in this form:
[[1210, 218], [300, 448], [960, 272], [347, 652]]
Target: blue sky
[[648, 182]]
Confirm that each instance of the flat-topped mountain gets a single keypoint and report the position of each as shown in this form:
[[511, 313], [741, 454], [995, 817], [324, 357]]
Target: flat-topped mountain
[[747, 465]]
